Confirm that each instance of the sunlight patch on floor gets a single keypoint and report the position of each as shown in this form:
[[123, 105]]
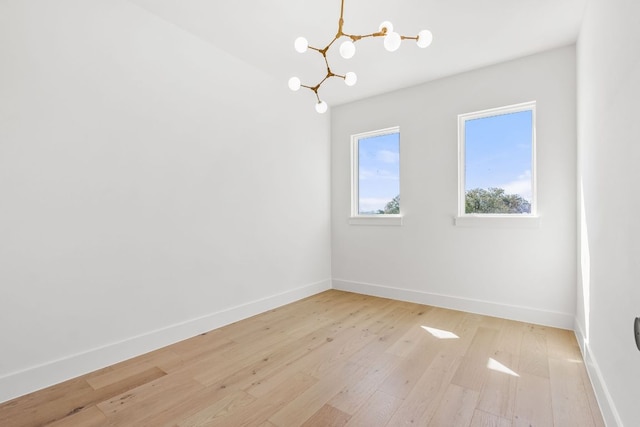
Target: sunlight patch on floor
[[441, 334], [497, 366]]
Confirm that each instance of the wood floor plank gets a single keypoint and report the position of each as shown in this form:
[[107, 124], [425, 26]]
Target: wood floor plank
[[263, 408], [402, 380], [335, 349], [266, 384], [391, 317], [422, 402], [177, 411], [473, 370], [327, 416], [148, 399], [315, 397], [456, 409], [330, 351], [533, 407], [40, 409], [376, 411], [483, 419], [122, 374], [387, 336], [46, 406], [498, 392], [492, 322], [414, 337], [569, 399], [336, 358], [350, 398], [87, 417], [562, 344], [534, 359], [217, 369], [220, 412], [463, 326], [510, 337], [348, 314], [264, 364], [337, 353]]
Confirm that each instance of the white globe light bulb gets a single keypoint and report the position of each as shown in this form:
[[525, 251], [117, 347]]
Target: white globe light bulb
[[294, 83], [301, 44], [321, 107], [424, 38], [350, 78], [386, 24], [392, 41], [347, 49]]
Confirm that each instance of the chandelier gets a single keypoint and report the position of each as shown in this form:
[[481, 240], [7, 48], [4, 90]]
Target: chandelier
[[392, 41]]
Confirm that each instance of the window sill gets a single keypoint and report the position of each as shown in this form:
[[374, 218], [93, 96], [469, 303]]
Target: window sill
[[498, 221], [376, 220]]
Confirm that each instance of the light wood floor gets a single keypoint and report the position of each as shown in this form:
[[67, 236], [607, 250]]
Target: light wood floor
[[336, 359]]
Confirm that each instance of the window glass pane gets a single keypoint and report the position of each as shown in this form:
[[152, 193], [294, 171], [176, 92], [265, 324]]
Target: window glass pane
[[498, 164], [379, 175]]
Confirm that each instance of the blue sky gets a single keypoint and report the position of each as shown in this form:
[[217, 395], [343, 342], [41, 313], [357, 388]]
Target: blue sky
[[379, 161], [498, 153]]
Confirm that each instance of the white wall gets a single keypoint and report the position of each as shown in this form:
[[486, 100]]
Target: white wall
[[151, 187], [609, 173], [520, 273]]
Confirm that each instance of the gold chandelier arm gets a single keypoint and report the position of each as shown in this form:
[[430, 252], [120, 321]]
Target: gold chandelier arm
[[329, 75], [324, 50], [314, 89], [341, 19], [356, 37]]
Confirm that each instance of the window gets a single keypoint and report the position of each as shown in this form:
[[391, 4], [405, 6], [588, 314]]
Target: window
[[497, 162], [375, 188]]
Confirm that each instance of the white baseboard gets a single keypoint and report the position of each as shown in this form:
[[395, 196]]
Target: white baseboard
[[38, 377], [606, 403], [512, 312]]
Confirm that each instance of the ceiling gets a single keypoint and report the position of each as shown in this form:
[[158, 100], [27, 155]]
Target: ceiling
[[468, 34]]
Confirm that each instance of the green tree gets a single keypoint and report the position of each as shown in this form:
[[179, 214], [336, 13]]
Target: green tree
[[393, 207], [495, 200]]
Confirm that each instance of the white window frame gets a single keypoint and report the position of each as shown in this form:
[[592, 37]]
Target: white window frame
[[377, 219], [473, 219]]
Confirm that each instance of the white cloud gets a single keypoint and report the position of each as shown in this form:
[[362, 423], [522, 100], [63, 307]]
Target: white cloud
[[521, 186], [387, 156]]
